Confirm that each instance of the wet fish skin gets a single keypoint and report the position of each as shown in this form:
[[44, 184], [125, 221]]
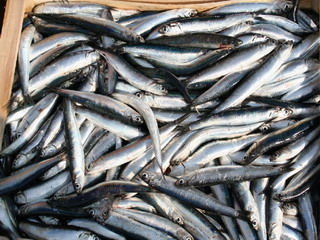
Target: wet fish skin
[[73, 139], [190, 195]]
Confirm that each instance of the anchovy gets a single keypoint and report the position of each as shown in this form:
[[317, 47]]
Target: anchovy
[[235, 61], [60, 39], [21, 178], [36, 230], [131, 75], [241, 117], [226, 174], [276, 7], [278, 138], [24, 59], [75, 153], [255, 80], [198, 25], [95, 228], [192, 196], [102, 104], [96, 24], [97, 192], [199, 40], [146, 26]]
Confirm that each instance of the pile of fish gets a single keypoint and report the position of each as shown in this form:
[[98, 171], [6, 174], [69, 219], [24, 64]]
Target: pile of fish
[[163, 125]]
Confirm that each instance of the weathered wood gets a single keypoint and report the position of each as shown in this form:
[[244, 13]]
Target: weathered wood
[[159, 4], [9, 43]]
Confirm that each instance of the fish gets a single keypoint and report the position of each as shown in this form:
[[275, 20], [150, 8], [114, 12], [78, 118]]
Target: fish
[[175, 124]]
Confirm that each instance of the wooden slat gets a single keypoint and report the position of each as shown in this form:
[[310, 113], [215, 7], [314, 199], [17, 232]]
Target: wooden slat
[[162, 4], [9, 42]]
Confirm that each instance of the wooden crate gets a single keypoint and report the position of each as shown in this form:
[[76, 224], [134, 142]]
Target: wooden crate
[[16, 9]]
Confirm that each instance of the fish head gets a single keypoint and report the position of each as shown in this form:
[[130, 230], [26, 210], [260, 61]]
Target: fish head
[[146, 97], [264, 127], [87, 235], [186, 12], [255, 222], [20, 160], [137, 119], [233, 41], [151, 178], [180, 182], [48, 151], [260, 38], [184, 235], [20, 198], [281, 113], [178, 220], [160, 88], [170, 29], [290, 209], [284, 6], [251, 154], [275, 155], [136, 38], [92, 212], [78, 181]]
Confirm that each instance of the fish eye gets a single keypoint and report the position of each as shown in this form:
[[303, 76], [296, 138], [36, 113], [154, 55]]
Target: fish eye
[[275, 154], [105, 213], [161, 88], [144, 176], [137, 119], [55, 196], [287, 112], [90, 166], [42, 153], [287, 7], [138, 94], [179, 220], [287, 205], [140, 39], [181, 181], [192, 13], [264, 127], [254, 223], [245, 157], [91, 212], [96, 238], [15, 164], [77, 185], [164, 29], [188, 238]]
